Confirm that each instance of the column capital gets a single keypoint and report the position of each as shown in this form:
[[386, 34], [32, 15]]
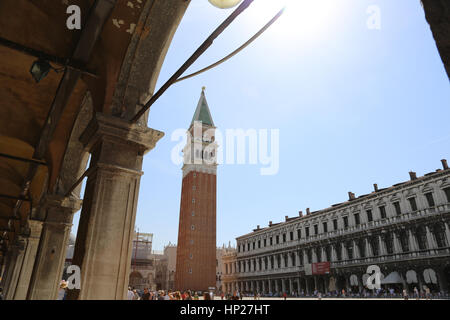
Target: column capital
[[105, 127], [32, 229], [19, 244], [70, 203]]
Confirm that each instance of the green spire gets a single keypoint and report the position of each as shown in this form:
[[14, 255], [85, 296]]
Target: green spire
[[202, 112]]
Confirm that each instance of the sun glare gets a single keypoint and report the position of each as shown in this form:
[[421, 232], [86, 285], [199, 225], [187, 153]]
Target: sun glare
[[302, 18]]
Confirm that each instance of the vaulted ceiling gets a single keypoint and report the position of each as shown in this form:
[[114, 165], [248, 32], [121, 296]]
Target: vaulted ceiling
[[37, 119]]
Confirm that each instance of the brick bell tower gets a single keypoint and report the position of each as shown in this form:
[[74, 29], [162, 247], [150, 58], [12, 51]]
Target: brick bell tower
[[196, 251]]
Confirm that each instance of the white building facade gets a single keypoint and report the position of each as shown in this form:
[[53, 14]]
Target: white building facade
[[404, 230]]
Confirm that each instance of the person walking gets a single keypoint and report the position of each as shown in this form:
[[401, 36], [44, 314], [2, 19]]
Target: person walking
[[405, 294], [146, 294], [62, 292], [130, 294], [427, 293], [416, 293]]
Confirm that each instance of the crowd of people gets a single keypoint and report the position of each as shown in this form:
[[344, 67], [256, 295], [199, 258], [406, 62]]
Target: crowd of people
[[425, 293], [146, 294]]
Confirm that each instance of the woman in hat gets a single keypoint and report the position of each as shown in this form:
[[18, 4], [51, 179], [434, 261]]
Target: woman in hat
[[62, 290]]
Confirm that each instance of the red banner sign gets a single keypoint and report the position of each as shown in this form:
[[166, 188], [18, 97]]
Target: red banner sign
[[321, 268]]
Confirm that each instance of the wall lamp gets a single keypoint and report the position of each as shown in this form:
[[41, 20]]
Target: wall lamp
[[40, 69]]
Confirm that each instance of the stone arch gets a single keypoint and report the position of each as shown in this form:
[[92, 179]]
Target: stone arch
[[145, 55], [430, 276], [353, 280], [75, 156], [411, 277], [136, 279]]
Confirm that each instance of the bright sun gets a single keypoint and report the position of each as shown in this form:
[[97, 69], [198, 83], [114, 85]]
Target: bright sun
[[301, 19]]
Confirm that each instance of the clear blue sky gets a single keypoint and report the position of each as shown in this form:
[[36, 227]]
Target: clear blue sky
[[354, 106]]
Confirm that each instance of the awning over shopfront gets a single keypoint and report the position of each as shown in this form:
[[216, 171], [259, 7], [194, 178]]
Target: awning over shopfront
[[392, 278]]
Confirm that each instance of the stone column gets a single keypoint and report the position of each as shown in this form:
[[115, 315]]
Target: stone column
[[360, 284], [15, 258], [283, 285], [277, 289], [447, 233], [442, 279], [323, 255], [381, 245], [344, 252], [289, 260], [307, 291], [333, 254], [402, 273], [291, 289], [305, 258], [369, 252], [297, 258], [104, 240], [24, 266], [397, 245], [263, 286], [413, 246], [49, 266], [356, 253], [270, 285], [430, 239], [314, 256]]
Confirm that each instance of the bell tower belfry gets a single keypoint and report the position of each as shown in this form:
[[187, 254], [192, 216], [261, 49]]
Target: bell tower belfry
[[196, 250]]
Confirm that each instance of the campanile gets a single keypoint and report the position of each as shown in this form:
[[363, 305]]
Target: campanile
[[196, 251]]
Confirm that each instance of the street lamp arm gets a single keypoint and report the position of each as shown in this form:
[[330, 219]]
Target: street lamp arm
[[205, 45], [235, 52]]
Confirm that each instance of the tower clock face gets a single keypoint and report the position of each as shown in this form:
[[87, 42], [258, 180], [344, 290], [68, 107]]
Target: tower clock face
[[224, 4]]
